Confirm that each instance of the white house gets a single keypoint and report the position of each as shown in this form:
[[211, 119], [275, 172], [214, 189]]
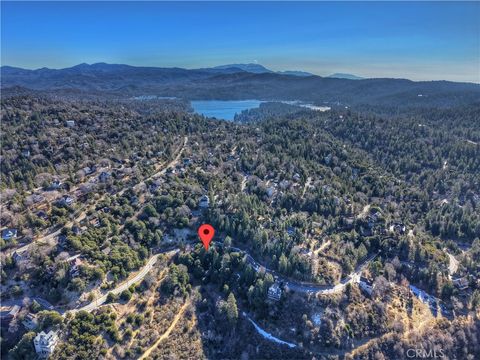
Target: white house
[[45, 343], [274, 292]]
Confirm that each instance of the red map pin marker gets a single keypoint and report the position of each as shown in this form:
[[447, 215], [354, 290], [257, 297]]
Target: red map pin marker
[[206, 232]]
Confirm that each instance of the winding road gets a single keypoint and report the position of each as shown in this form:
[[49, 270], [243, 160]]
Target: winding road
[[298, 286], [306, 287], [139, 276]]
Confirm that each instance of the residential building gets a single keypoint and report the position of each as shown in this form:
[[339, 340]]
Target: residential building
[[76, 230], [16, 257], [270, 191], [366, 285], [461, 283], [30, 322], [349, 222], [75, 264], [104, 176], [70, 123], [274, 292], [42, 215], [204, 202], [45, 343], [398, 228], [284, 184], [9, 234], [62, 240], [134, 201], [7, 314], [66, 200], [95, 222], [88, 170]]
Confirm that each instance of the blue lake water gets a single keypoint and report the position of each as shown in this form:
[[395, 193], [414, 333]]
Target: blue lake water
[[223, 109]]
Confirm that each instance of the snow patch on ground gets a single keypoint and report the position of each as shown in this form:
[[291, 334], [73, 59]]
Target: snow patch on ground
[[267, 335]]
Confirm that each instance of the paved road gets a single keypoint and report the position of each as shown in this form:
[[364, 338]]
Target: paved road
[[293, 285], [126, 284], [306, 287]]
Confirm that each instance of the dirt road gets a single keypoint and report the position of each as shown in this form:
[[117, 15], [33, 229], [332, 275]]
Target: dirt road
[[177, 317]]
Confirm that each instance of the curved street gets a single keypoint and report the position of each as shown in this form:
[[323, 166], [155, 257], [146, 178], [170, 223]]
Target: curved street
[[306, 287]]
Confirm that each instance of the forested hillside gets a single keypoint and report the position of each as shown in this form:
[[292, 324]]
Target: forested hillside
[[358, 230]]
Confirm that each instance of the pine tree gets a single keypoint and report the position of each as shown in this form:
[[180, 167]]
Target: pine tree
[[232, 310]]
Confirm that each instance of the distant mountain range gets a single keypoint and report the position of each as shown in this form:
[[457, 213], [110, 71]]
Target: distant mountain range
[[260, 69], [241, 81], [345, 76]]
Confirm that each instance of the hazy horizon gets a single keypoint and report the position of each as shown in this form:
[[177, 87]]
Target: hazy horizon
[[214, 65], [417, 41]]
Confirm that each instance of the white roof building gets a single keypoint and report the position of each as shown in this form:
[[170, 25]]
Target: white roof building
[[45, 343], [274, 292]]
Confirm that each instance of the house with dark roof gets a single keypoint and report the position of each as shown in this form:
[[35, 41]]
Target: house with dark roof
[[66, 200], [9, 234], [461, 283], [55, 185], [30, 321], [104, 176], [42, 215], [204, 202], [16, 257], [7, 314]]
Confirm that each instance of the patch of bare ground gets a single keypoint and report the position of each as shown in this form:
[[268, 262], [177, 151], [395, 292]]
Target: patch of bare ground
[[401, 322], [184, 341], [160, 319]]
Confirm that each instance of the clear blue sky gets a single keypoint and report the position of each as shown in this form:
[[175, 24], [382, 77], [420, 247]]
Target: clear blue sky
[[420, 41]]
